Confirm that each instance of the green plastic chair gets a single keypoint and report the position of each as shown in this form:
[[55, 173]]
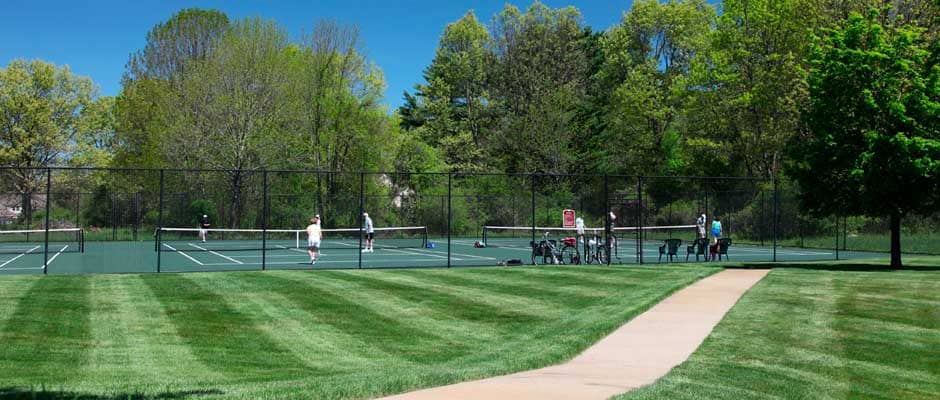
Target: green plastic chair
[[670, 248], [723, 245], [699, 247]]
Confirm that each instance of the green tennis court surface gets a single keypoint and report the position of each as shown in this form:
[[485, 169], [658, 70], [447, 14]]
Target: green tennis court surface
[[141, 257]]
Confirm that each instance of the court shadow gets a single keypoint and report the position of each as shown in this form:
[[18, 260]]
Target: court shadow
[[849, 267], [23, 393]]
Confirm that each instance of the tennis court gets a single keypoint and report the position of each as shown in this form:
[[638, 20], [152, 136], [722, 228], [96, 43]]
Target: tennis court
[[182, 251]]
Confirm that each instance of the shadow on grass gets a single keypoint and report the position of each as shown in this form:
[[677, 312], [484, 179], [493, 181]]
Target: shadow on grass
[[23, 393]]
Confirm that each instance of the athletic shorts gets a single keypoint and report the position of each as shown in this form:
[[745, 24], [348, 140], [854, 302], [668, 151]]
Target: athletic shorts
[[203, 231], [370, 235], [313, 244]]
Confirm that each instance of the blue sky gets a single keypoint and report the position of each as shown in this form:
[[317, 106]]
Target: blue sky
[[95, 38]]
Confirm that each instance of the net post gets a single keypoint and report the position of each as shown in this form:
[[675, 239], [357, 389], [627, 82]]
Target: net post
[[449, 214], [264, 219], [158, 242], [639, 222], [775, 216], [607, 211], [362, 221], [45, 263]]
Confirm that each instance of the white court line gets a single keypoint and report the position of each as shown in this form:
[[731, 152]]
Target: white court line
[[417, 254], [453, 253], [22, 268], [213, 252], [14, 258], [350, 262], [56, 255], [184, 254]]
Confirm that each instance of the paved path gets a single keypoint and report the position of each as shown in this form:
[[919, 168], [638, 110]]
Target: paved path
[[636, 354]]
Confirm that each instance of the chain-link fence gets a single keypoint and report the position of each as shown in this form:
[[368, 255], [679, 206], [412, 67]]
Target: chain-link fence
[[77, 220]]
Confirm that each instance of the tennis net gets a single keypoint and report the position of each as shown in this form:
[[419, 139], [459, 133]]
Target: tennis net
[[187, 239], [519, 236], [33, 241]]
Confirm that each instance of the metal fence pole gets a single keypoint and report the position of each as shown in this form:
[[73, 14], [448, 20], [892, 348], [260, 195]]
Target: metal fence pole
[[532, 178], [837, 238], [159, 242], [449, 215], [45, 263], [264, 220], [639, 230], [607, 232], [362, 204], [775, 216]]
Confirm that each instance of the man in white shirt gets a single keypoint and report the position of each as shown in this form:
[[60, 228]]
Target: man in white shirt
[[314, 235], [370, 233]]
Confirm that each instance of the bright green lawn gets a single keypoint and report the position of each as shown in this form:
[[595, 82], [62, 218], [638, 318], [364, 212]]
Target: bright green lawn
[[825, 333], [912, 243], [337, 334]]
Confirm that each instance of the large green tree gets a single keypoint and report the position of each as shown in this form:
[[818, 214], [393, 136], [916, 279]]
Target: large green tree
[[45, 113], [539, 80], [873, 147], [644, 83]]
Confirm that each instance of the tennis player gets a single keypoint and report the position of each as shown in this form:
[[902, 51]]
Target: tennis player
[[370, 233], [700, 225], [314, 235], [579, 225], [203, 227]]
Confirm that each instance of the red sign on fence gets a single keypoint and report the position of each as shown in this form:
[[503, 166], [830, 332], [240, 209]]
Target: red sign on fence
[[567, 219]]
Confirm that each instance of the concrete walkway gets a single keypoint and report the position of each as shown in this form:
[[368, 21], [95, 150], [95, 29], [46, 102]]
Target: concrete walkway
[[636, 354]]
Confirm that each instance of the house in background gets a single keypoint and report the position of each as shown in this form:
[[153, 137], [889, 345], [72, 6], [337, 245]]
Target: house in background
[[11, 207]]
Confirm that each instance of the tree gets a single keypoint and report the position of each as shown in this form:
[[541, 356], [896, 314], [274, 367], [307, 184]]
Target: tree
[[873, 147], [153, 78], [539, 79], [227, 114], [41, 120], [645, 82]]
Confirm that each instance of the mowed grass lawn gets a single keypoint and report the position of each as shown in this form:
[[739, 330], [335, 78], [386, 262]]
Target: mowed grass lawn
[[290, 335], [825, 333]]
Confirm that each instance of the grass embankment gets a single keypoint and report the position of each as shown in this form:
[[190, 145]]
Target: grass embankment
[[821, 331], [352, 334]]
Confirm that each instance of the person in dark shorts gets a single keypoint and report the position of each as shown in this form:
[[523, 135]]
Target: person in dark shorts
[[203, 227], [369, 232]]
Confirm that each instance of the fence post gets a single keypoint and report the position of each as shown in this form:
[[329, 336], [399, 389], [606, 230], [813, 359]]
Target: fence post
[[607, 211], [775, 216], [362, 189], [449, 215], [45, 263], [532, 182], [159, 241], [639, 231], [761, 224], [837, 237], [264, 219]]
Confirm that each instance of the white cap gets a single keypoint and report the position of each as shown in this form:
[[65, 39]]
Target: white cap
[[365, 214], [205, 216]]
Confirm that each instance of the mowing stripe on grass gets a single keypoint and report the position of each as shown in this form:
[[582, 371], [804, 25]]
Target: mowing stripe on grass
[[134, 340], [546, 298], [222, 338], [45, 339], [318, 345], [375, 330], [448, 306], [416, 314]]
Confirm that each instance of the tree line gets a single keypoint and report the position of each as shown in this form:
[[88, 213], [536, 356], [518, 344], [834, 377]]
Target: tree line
[[743, 88]]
